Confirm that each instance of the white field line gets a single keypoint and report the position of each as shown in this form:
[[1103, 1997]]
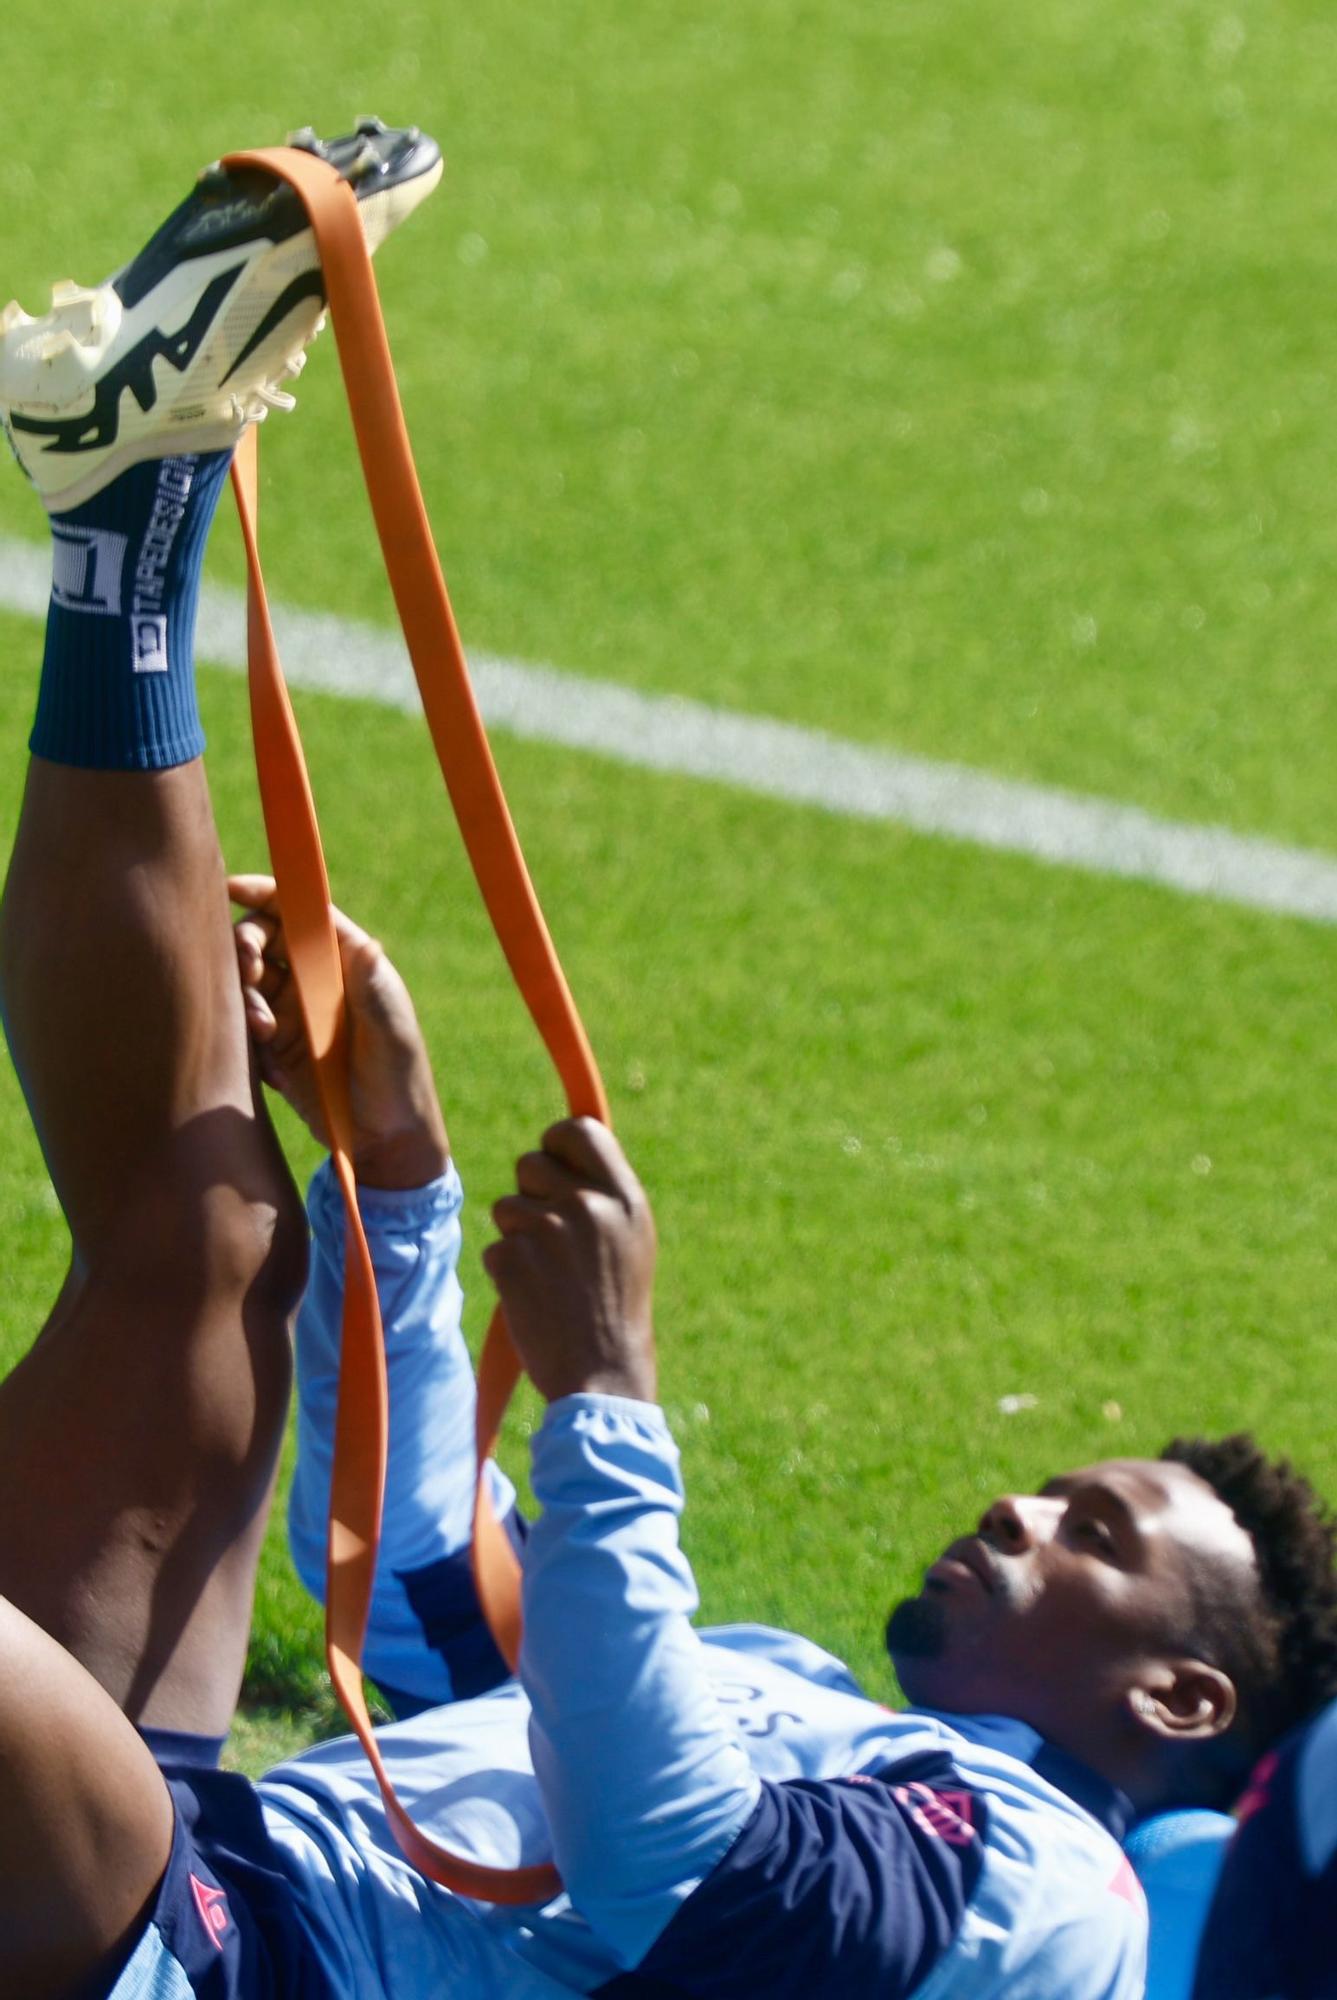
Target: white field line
[[775, 759]]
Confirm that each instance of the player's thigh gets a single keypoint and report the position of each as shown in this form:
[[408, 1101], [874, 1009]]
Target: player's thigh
[[138, 1440], [85, 1818]]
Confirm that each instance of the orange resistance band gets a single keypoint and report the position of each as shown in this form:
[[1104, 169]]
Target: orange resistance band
[[358, 1482]]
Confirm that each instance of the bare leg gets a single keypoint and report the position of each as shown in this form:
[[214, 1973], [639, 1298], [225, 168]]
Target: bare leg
[[138, 1437], [85, 1818]]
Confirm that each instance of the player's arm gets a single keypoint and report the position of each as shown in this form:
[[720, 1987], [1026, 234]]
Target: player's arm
[[696, 1873], [644, 1782], [400, 1133], [426, 1641], [689, 1867]]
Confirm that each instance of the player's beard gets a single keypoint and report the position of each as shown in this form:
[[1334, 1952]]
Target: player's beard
[[917, 1630]]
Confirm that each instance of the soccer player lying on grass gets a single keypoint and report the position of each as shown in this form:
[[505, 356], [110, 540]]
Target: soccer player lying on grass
[[729, 1815], [1099, 1574]]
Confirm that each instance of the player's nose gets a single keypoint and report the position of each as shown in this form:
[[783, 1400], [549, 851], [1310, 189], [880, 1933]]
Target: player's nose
[[1017, 1522]]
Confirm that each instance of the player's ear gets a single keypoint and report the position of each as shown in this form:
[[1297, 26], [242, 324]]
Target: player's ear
[[1184, 1701]]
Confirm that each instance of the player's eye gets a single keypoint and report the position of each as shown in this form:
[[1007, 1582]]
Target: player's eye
[[1094, 1533]]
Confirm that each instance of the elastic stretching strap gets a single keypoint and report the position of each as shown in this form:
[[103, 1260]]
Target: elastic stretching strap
[[457, 732]]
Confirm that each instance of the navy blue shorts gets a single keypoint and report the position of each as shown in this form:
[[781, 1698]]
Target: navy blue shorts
[[224, 1923]]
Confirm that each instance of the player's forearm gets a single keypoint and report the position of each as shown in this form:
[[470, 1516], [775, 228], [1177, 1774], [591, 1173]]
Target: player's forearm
[[414, 1239], [404, 1159], [644, 1783]]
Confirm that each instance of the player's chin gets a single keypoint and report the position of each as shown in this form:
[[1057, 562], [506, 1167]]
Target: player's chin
[[932, 1671], [936, 1642], [917, 1630]]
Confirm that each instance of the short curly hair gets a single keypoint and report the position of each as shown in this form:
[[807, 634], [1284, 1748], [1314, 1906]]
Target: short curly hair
[[1283, 1662]]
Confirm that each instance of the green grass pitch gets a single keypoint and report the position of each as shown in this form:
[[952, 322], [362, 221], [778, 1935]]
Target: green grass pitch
[[958, 380]]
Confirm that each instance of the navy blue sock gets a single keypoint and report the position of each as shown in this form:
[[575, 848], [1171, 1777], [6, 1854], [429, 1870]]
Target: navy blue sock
[[117, 691]]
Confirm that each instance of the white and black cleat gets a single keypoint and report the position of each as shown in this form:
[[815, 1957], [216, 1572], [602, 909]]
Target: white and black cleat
[[195, 338]]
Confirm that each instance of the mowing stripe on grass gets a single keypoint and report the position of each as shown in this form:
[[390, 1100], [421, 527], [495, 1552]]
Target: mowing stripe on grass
[[777, 759]]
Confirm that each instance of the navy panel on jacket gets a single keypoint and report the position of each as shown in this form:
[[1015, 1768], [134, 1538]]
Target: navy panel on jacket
[[445, 1602], [834, 1887]]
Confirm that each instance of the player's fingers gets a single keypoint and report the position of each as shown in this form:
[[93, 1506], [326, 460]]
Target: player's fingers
[[515, 1260], [545, 1178], [589, 1149], [270, 976], [254, 892], [259, 1014], [370, 980], [502, 1258], [263, 927], [349, 934], [250, 958], [259, 893], [358, 949], [518, 1215], [255, 939]]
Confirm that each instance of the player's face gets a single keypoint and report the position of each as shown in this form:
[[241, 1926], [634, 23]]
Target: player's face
[[1064, 1602]]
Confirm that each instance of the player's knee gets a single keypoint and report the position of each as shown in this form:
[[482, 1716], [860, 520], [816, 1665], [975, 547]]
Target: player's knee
[[223, 1230], [258, 1245], [235, 1316]]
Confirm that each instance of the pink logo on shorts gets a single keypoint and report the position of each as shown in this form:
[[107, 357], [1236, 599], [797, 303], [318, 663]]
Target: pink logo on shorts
[[946, 1815], [212, 1906]]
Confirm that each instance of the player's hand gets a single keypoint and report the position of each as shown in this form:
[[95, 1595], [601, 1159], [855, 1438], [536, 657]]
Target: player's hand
[[399, 1134], [574, 1266]]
